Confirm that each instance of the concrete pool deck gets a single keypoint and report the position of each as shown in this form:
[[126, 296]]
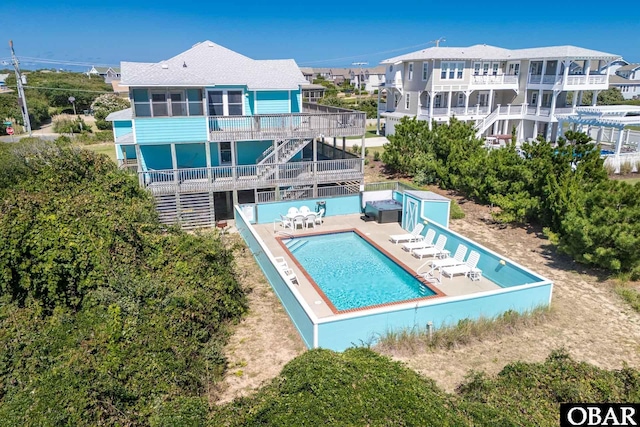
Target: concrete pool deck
[[379, 233]]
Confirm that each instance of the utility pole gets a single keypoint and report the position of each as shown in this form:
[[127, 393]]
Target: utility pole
[[438, 41], [359, 77], [22, 101]]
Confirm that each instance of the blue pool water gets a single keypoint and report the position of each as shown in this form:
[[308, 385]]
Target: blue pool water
[[352, 273]]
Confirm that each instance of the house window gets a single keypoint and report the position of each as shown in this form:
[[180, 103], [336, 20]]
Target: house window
[[460, 99], [178, 105], [407, 101], [410, 70], [476, 68], [396, 99], [225, 103], [159, 104], [234, 102], [225, 153], [141, 102], [485, 68], [425, 70], [495, 67], [437, 101], [514, 69], [216, 103], [534, 98], [194, 98], [451, 70]]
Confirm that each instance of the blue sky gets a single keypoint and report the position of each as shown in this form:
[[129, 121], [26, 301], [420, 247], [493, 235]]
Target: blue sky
[[318, 34]]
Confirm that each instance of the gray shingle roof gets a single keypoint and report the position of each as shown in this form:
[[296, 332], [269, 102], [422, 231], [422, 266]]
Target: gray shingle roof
[[116, 116], [481, 51], [209, 64], [617, 80], [629, 67]]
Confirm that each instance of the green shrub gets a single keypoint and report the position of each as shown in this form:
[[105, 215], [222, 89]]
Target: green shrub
[[376, 156], [109, 318], [456, 211], [64, 123]]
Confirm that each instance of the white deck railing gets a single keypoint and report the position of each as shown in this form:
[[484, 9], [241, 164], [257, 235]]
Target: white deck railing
[[494, 80], [224, 178]]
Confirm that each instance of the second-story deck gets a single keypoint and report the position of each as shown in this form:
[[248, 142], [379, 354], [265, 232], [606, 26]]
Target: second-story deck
[[245, 177]]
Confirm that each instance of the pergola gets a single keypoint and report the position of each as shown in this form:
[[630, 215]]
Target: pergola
[[611, 116]]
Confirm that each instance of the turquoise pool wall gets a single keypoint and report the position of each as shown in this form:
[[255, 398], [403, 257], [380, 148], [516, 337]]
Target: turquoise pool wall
[[345, 205], [507, 275], [291, 303], [342, 332]]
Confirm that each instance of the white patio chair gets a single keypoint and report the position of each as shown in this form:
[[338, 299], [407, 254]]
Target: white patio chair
[[310, 220], [435, 251], [409, 237], [469, 268], [319, 216], [281, 262], [298, 220], [424, 243], [286, 222], [292, 211], [304, 210]]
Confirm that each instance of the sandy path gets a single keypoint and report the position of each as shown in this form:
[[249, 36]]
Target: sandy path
[[588, 319]]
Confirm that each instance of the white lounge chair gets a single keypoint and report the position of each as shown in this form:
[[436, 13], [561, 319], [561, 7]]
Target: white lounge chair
[[435, 251], [438, 264], [469, 268], [290, 275], [286, 222], [281, 262], [409, 237], [424, 243]]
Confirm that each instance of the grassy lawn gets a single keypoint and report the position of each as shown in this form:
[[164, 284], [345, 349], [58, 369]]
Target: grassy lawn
[[368, 134], [631, 180], [107, 149], [632, 127]]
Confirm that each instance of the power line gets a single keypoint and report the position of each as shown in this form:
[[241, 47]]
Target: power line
[[64, 62], [67, 89]]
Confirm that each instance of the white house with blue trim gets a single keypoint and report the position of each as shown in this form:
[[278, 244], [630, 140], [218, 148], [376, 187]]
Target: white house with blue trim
[[210, 128]]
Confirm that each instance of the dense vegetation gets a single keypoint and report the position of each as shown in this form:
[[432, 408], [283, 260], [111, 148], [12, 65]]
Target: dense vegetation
[[563, 188], [359, 387], [48, 93], [105, 317]]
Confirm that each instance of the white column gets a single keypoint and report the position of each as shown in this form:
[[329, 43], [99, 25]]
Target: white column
[[207, 155], [594, 98], [587, 71], [560, 129], [449, 103], [554, 98], [432, 95], [539, 101], [599, 136], [490, 100], [535, 129], [618, 149], [574, 100], [467, 95], [505, 127], [174, 163]]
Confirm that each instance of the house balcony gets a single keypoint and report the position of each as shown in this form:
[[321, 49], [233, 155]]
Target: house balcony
[[571, 82], [499, 81], [246, 177], [316, 120]]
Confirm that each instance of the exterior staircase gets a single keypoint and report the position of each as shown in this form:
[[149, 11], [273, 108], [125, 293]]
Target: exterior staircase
[[285, 152], [487, 122]]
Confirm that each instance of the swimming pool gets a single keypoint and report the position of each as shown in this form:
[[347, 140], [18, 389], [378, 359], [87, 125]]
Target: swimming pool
[[352, 273]]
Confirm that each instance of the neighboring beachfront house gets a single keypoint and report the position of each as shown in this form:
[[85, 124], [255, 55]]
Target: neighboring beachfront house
[[211, 128], [627, 80], [107, 73], [497, 89]]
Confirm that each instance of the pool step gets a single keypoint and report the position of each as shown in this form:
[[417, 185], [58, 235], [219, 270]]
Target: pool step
[[295, 244]]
